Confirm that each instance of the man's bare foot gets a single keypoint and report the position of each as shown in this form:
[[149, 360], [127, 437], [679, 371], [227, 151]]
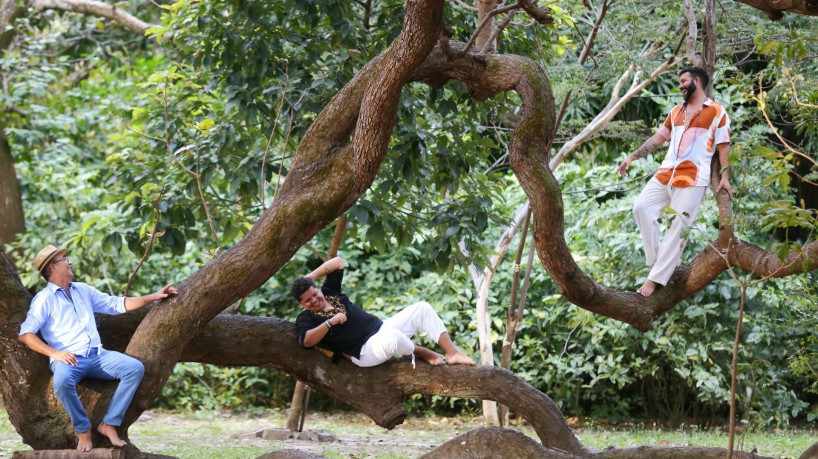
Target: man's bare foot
[[459, 358], [647, 288], [110, 432], [430, 356], [84, 444]]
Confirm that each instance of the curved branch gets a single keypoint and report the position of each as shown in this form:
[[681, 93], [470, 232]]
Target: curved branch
[[485, 75], [345, 145], [96, 8], [258, 341]]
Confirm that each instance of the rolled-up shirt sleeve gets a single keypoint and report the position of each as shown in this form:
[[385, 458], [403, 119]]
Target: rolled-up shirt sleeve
[[35, 319], [665, 128], [105, 304], [722, 134], [303, 324]]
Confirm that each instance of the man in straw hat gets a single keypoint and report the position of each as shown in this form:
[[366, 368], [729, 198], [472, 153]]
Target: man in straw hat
[[63, 313]]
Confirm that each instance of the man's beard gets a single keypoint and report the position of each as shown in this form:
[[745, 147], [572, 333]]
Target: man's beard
[[691, 88]]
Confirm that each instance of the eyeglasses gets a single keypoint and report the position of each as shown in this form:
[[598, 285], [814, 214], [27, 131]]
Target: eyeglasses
[[61, 259]]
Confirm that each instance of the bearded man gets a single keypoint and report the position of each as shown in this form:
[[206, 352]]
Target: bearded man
[[695, 128]]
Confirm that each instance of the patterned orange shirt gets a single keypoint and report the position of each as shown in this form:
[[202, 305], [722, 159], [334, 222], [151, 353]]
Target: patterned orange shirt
[[688, 158]]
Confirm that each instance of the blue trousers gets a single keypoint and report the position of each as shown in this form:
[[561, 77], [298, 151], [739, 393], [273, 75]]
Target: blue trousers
[[108, 365]]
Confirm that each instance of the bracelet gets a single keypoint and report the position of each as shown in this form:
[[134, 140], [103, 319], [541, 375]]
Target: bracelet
[[329, 325]]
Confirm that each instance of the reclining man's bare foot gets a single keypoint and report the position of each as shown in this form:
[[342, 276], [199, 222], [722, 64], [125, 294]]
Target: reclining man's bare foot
[[430, 356], [459, 358], [647, 288], [110, 432], [84, 444]]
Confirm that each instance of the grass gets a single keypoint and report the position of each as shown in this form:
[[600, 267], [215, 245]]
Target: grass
[[214, 435]]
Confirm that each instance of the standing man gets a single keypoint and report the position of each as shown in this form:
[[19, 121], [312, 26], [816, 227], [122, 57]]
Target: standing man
[[63, 313], [349, 331], [694, 128]]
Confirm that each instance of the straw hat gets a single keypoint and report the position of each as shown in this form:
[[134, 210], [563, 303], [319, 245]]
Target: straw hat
[[46, 256]]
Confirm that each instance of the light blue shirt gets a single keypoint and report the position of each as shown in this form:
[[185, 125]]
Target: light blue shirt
[[68, 325]]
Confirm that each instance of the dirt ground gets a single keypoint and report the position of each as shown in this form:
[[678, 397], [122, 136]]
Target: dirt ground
[[355, 436], [206, 435]]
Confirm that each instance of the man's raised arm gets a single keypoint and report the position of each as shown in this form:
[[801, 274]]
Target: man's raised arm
[[326, 268], [132, 303]]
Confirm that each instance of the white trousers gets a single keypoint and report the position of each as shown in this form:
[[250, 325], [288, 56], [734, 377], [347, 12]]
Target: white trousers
[[394, 336], [665, 256]]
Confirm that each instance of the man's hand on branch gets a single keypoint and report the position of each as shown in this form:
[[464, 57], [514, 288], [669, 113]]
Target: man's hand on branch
[[724, 184], [165, 292]]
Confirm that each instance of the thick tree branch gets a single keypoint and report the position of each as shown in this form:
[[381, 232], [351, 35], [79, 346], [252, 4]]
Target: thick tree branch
[[485, 75], [264, 341], [96, 8], [363, 112], [774, 9]]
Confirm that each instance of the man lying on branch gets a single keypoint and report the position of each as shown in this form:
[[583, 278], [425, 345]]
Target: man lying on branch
[[330, 319]]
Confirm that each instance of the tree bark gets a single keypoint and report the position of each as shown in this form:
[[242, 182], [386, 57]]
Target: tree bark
[[810, 453], [9, 11]]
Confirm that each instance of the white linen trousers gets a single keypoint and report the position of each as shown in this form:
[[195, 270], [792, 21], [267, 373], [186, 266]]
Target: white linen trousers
[[665, 256], [394, 336]]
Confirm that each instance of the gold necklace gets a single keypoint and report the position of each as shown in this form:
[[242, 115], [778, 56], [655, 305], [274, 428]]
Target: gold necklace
[[337, 307]]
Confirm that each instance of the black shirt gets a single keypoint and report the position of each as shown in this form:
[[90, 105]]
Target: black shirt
[[345, 338]]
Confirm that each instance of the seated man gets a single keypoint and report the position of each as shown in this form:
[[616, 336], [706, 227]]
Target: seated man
[[63, 312], [330, 318]]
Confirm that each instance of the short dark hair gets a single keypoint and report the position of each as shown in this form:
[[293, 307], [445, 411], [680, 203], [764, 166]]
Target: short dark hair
[[301, 285], [697, 72]]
